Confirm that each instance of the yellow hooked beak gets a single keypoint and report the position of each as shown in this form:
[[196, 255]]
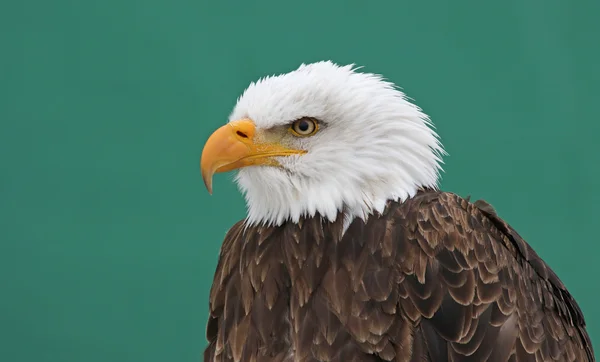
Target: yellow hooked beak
[[234, 146]]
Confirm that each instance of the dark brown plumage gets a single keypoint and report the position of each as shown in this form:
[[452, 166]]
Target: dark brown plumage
[[435, 278]]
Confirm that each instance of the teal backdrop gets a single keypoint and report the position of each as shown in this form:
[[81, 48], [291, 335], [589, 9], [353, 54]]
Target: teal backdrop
[[108, 239]]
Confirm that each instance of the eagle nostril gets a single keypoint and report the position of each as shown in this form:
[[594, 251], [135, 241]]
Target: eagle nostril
[[241, 134]]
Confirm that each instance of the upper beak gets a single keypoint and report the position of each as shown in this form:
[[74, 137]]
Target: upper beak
[[233, 146]]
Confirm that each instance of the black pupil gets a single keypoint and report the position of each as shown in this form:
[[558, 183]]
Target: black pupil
[[303, 126]]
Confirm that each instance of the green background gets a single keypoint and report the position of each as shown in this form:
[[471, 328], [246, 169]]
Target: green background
[[109, 240]]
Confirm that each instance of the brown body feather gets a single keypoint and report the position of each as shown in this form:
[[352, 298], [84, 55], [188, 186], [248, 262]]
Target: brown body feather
[[435, 278]]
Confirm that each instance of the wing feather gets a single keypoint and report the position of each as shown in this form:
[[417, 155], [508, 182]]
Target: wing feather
[[435, 278], [501, 301]]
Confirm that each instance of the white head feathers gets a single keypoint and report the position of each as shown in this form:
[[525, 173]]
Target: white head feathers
[[373, 145]]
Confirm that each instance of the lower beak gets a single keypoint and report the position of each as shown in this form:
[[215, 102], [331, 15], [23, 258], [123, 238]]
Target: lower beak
[[233, 146]]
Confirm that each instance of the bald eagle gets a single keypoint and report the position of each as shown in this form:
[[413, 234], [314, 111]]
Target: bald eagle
[[350, 252]]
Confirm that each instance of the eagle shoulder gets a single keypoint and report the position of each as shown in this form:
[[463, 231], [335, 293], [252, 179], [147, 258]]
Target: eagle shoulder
[[479, 290]]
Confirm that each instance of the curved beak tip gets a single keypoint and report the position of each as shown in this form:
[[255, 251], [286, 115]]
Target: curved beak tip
[[207, 178], [208, 188]]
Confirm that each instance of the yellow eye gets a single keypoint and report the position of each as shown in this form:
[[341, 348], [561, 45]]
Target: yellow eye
[[304, 127]]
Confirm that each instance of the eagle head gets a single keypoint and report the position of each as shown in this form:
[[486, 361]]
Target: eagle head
[[323, 139]]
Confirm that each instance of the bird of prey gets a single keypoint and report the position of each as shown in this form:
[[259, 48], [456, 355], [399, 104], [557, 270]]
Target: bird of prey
[[350, 252]]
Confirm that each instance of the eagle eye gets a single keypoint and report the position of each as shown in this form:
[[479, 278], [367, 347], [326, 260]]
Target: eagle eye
[[304, 127]]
